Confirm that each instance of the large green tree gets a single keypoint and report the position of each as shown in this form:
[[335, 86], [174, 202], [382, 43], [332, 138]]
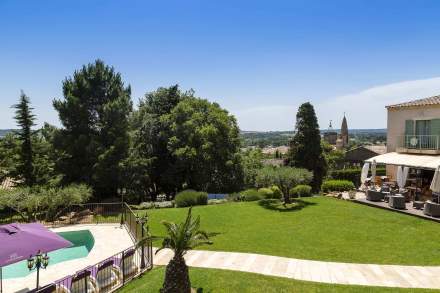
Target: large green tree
[[149, 168], [25, 120], [305, 147], [204, 141], [94, 139]]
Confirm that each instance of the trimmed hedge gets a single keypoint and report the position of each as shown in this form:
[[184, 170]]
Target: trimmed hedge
[[337, 185], [251, 195], [266, 192], [190, 197], [353, 175], [301, 190]]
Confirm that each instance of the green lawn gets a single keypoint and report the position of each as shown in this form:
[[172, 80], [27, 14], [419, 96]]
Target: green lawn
[[210, 280], [317, 228]]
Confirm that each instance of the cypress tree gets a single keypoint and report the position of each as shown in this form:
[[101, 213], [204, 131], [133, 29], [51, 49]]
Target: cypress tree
[[25, 120], [305, 147]]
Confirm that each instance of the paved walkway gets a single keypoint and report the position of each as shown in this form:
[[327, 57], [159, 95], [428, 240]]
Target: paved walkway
[[316, 271]]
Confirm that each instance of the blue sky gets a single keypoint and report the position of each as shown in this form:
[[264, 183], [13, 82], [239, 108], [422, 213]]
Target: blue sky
[[258, 59]]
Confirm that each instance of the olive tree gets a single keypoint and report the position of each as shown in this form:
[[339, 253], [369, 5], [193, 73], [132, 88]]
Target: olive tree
[[284, 178]]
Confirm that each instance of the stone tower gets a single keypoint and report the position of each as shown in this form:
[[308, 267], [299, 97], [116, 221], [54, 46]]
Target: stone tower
[[344, 132]]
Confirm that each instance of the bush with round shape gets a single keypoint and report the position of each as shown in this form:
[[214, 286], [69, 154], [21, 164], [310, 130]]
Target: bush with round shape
[[337, 185], [190, 197], [251, 195], [301, 190], [266, 192]]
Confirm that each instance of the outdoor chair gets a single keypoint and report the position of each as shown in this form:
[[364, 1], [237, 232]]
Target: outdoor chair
[[128, 266], [83, 283], [397, 202], [107, 276], [431, 209], [373, 195]]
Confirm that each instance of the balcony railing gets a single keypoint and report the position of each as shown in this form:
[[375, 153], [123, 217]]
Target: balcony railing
[[419, 142]]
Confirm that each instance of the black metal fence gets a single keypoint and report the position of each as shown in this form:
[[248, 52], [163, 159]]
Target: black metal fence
[[107, 275]]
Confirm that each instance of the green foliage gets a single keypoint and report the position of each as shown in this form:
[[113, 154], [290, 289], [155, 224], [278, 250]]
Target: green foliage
[[283, 177], [251, 195], [190, 197], [43, 203], [252, 161], [266, 192], [337, 185], [353, 175], [277, 193], [185, 142], [204, 142], [150, 167], [25, 120], [180, 238], [301, 190], [305, 148], [93, 141]]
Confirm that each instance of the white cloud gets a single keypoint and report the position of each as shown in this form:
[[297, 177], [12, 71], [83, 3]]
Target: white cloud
[[365, 109]]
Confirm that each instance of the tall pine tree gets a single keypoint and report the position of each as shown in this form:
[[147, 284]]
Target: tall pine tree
[[94, 140], [25, 120], [305, 147]]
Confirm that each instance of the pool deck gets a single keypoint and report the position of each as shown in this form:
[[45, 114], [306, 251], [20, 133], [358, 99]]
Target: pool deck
[[109, 240]]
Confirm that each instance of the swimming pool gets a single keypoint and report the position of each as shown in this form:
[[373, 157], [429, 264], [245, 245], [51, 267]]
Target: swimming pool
[[82, 241]]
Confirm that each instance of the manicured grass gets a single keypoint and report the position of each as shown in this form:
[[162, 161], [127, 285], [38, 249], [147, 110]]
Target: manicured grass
[[317, 228], [211, 280]]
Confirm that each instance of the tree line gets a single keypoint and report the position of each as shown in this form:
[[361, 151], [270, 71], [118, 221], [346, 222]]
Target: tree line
[[172, 140]]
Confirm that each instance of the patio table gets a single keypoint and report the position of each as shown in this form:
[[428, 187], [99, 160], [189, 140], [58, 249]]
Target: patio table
[[397, 202]]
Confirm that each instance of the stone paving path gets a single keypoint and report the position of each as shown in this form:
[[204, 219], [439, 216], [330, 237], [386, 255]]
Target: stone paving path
[[316, 271]]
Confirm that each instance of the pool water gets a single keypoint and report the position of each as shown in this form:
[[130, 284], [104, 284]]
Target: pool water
[[82, 241]]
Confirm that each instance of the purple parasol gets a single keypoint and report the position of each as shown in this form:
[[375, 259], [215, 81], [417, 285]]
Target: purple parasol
[[19, 241]]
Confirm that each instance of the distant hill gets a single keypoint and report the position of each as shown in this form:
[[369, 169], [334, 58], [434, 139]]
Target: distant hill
[[279, 138], [3, 132]]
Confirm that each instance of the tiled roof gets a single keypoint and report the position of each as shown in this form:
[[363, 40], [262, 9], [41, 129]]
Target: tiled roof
[[435, 100]]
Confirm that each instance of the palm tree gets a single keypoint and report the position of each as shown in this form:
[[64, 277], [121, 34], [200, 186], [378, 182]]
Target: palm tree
[[181, 238]]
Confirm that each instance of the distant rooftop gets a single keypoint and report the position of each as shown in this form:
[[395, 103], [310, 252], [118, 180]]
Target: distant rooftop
[[435, 100]]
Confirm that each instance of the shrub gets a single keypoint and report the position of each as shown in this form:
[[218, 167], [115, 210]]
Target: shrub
[[337, 185], [301, 190], [266, 192], [251, 195], [353, 175], [189, 198], [277, 193]]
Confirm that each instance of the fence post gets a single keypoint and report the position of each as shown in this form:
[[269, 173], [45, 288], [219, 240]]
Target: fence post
[[122, 213], [123, 267], [143, 246]]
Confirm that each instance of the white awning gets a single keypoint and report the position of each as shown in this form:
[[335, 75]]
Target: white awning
[[409, 160]]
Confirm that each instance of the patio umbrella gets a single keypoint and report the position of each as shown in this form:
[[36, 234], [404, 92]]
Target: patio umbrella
[[20, 241], [399, 176], [364, 173], [373, 171], [435, 183]]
